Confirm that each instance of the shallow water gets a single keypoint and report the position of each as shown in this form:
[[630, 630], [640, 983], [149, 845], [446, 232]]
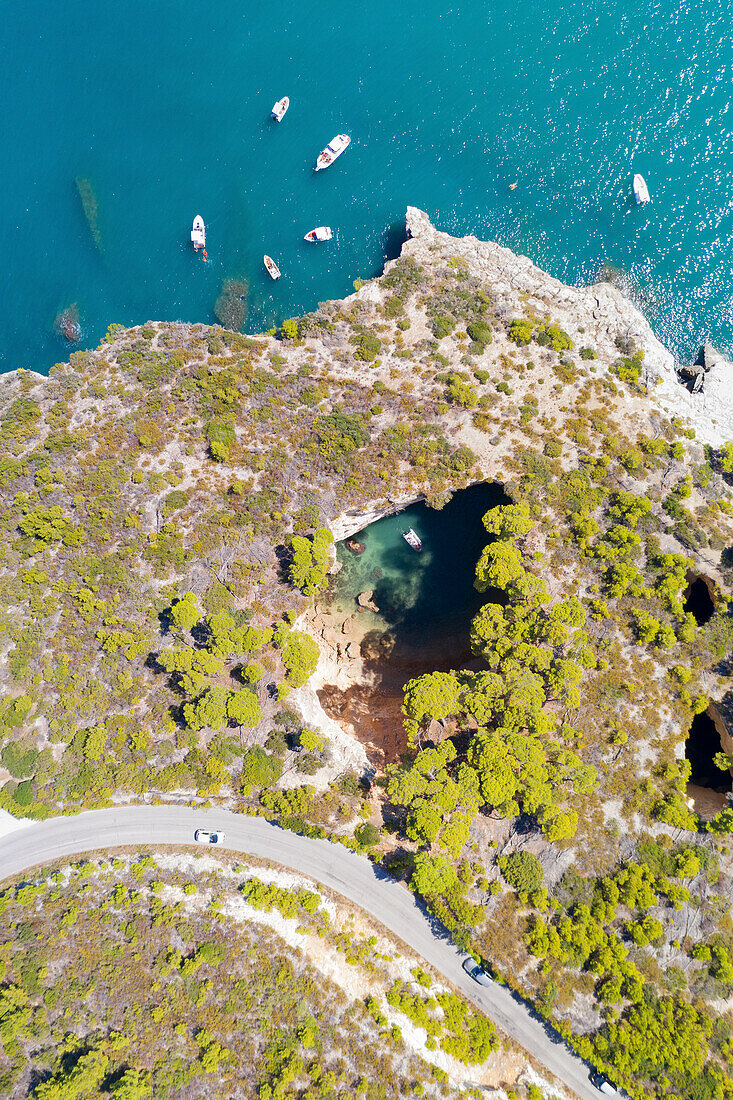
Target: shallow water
[[164, 108], [426, 602]]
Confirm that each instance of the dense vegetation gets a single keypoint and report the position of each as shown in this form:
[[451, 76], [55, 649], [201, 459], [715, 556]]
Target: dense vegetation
[[155, 977], [165, 504]]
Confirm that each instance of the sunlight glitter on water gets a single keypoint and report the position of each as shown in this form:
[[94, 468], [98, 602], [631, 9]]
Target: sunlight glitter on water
[[164, 108]]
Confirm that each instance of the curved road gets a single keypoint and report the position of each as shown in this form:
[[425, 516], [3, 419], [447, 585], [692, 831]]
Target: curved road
[[329, 864]]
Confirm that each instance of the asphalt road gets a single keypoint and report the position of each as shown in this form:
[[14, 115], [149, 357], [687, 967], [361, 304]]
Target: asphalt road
[[350, 875]]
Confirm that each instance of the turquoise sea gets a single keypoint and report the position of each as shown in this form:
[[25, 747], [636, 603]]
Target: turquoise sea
[[163, 106]]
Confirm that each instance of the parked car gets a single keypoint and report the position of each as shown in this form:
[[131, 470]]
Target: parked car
[[477, 972], [602, 1084], [203, 836]]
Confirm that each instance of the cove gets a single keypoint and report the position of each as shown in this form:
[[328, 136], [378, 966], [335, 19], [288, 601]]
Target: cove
[[425, 605]]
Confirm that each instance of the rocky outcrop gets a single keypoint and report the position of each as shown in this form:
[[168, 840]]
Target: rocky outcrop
[[597, 315], [366, 603], [349, 523]]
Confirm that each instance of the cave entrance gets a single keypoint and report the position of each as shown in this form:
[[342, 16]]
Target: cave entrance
[[699, 600], [708, 785], [425, 603]]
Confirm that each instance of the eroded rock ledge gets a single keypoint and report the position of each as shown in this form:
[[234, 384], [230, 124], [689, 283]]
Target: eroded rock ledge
[[594, 314]]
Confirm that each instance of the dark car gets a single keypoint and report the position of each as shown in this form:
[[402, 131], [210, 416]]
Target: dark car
[[602, 1084], [477, 972]]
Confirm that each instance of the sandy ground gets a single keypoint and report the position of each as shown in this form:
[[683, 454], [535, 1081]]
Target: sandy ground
[[8, 823]]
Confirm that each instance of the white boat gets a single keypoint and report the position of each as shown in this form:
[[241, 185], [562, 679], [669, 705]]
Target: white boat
[[278, 111], [272, 269], [198, 233], [320, 233], [412, 539], [334, 149], [641, 191]]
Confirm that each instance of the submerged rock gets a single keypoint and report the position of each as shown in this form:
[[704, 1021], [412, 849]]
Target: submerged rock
[[90, 206], [365, 601], [230, 306], [67, 324]]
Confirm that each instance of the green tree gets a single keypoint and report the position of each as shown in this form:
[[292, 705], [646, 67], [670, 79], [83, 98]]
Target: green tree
[[507, 520], [134, 1084], [210, 709], [311, 741], [50, 525], [435, 695], [259, 768], [300, 655], [311, 557], [243, 709], [500, 566], [184, 613], [77, 1083]]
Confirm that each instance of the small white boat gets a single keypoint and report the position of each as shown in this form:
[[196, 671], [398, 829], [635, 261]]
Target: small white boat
[[412, 539], [272, 269], [320, 233], [334, 149], [641, 191], [198, 233], [278, 111]]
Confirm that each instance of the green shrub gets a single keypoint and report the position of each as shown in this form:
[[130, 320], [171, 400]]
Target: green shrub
[[479, 332], [523, 871], [441, 326], [289, 329], [367, 346], [628, 369], [520, 331]]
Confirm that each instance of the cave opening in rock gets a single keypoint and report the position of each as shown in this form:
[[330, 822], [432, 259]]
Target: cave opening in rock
[[425, 603], [703, 742], [699, 600]]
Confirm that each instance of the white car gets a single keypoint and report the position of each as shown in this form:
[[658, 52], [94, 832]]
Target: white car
[[476, 972], [203, 836]]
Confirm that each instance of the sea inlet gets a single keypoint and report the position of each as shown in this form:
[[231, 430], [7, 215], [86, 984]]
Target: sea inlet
[[425, 603]]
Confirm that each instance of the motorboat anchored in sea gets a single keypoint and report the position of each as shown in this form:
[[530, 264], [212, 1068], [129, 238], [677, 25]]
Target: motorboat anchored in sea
[[198, 233], [320, 233], [641, 191], [333, 150], [278, 111], [272, 269], [412, 539]]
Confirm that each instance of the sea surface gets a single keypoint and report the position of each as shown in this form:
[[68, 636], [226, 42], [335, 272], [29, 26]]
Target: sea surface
[[163, 107]]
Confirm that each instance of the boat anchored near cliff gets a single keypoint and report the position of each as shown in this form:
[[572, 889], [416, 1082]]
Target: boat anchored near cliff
[[320, 233], [272, 269], [412, 539], [333, 150], [278, 111], [641, 191]]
